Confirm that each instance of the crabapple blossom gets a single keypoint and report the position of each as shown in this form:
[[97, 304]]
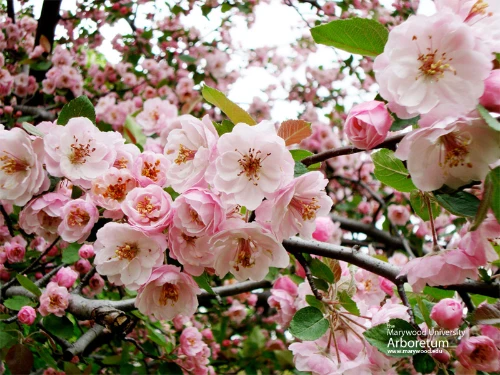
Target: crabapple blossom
[[126, 255], [294, 208], [491, 97], [367, 124], [426, 60], [237, 312], [126, 154], [151, 168], [54, 300], [26, 315], [78, 219], [247, 251], [253, 163], [168, 292], [190, 149], [479, 353], [191, 341], [156, 116], [66, 277], [451, 154], [15, 251], [111, 188], [284, 303], [447, 313], [388, 311], [148, 208], [368, 288], [398, 215], [21, 170], [82, 266]]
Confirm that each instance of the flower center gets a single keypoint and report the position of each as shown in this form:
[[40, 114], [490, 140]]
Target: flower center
[[250, 164], [80, 152], [12, 164], [55, 301], [117, 191], [478, 9], [169, 292], [78, 217], [120, 163], [307, 207], [196, 218], [480, 354], [190, 240], [368, 285], [185, 154], [128, 251], [145, 207], [433, 65], [151, 170], [455, 149], [244, 255]]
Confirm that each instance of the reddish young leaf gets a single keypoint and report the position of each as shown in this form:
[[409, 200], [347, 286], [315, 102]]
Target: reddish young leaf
[[44, 42], [294, 131]]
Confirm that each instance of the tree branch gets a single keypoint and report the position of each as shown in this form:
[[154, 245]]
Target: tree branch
[[36, 111], [11, 12], [389, 143], [8, 222], [83, 342], [309, 277]]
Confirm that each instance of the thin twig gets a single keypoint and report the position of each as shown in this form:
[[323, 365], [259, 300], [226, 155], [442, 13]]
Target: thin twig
[[435, 245], [84, 281], [404, 299], [46, 278], [142, 350], [8, 222], [468, 302], [300, 258]]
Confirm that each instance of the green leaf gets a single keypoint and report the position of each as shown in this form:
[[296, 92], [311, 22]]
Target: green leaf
[[314, 302], [391, 171], [158, 339], [418, 204], [299, 169], [170, 368], [70, 254], [395, 339], [29, 285], [298, 155], [438, 294], [225, 7], [59, 326], [132, 133], [41, 65], [399, 123], [254, 342], [423, 363], [76, 192], [425, 308], [7, 339], [224, 127], [308, 324], [355, 35], [79, 107], [235, 113], [486, 202], [171, 192], [203, 282], [490, 120], [494, 175], [459, 203], [187, 59], [321, 270], [347, 303], [32, 130], [18, 302]]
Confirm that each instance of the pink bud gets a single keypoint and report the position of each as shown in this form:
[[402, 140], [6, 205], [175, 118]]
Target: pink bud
[[66, 277], [286, 284], [442, 356], [491, 97], [86, 251], [447, 313], [27, 315], [82, 266]]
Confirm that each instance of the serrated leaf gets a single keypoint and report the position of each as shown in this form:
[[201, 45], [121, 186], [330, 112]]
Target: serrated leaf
[[423, 363], [203, 283], [308, 324], [391, 171], [388, 338], [235, 113], [32, 130], [79, 107], [28, 285], [294, 131], [417, 201], [347, 303], [485, 204], [321, 271], [132, 133], [355, 35], [18, 302], [487, 314], [334, 265], [459, 203], [488, 118]]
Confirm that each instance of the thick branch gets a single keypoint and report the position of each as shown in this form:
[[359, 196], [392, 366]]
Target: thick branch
[[36, 111], [11, 13], [83, 342], [389, 143]]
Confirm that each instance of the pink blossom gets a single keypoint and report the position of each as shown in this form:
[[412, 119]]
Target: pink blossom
[[126, 255], [148, 209], [492, 332], [479, 353], [368, 288], [54, 300], [156, 116], [86, 251], [190, 148], [388, 311], [79, 151], [447, 313], [126, 155], [367, 124], [253, 163], [450, 154], [286, 284], [294, 208], [66, 277], [398, 215], [327, 231], [193, 252], [110, 189], [15, 251], [167, 293], [237, 312], [78, 219], [82, 266], [247, 251], [191, 341], [284, 303], [491, 97], [425, 61], [27, 315], [21, 169], [151, 168]]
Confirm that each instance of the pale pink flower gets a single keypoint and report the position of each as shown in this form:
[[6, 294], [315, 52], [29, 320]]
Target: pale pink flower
[[253, 163], [367, 124], [54, 300], [446, 267], [167, 293], [450, 154], [492, 332], [479, 353], [126, 155], [368, 288], [156, 116], [151, 168], [294, 208], [126, 255], [27, 315], [14, 251], [79, 150], [110, 189], [148, 209], [190, 149], [21, 169], [247, 251], [78, 219], [327, 231], [388, 311], [86, 251], [237, 312], [398, 215], [191, 341], [193, 252], [286, 284], [66, 277], [491, 97], [426, 61], [447, 313], [284, 303]]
